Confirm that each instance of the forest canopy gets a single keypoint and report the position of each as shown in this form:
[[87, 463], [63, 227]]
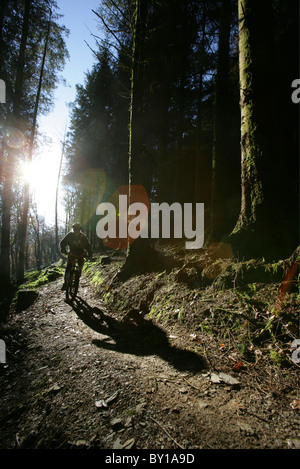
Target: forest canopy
[[191, 100], [179, 68]]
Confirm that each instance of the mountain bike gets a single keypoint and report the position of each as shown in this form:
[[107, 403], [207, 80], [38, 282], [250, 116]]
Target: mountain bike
[[72, 279]]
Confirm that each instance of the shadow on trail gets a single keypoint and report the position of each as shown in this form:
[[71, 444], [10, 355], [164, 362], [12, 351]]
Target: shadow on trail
[[141, 339]]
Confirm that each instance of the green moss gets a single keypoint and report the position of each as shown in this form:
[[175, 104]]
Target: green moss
[[36, 279], [277, 357]]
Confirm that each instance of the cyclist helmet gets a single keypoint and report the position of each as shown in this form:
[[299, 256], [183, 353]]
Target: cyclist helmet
[[76, 226]]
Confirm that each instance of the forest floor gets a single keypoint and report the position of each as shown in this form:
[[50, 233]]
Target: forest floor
[[208, 365]]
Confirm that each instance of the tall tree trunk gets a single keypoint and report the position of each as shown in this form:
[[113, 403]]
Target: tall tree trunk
[[221, 157], [199, 110], [3, 6], [258, 232], [21, 62], [5, 281], [56, 197], [139, 252], [37, 242], [2, 16], [136, 137], [5, 230], [24, 220], [38, 245]]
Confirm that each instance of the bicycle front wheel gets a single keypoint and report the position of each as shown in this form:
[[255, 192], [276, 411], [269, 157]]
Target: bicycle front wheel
[[72, 285]]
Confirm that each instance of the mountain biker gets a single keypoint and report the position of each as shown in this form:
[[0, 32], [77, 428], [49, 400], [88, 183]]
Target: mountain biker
[[78, 243]]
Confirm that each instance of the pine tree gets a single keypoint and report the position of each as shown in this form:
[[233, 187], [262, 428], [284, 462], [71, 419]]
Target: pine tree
[[5, 280], [24, 26]]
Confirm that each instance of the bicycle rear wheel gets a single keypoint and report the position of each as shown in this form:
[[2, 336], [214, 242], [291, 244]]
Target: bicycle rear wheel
[[72, 285]]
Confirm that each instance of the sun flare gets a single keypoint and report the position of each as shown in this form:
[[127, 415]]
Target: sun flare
[[41, 175]]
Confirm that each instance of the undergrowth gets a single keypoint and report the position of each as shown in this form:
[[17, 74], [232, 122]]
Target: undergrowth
[[251, 305]]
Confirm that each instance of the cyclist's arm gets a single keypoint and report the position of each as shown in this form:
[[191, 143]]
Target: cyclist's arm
[[64, 243]]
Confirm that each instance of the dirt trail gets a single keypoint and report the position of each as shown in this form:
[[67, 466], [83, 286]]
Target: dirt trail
[[78, 377]]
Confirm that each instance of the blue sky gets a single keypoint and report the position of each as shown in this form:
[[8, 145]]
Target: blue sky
[[81, 21]]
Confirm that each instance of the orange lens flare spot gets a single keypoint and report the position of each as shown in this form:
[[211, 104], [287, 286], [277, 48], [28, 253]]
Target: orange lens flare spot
[[134, 194]]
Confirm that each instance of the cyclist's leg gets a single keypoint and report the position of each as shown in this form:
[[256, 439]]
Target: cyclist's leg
[[67, 270], [80, 265]]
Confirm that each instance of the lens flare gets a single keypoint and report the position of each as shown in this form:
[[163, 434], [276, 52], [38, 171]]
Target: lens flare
[[287, 283], [94, 183], [135, 193], [14, 138]]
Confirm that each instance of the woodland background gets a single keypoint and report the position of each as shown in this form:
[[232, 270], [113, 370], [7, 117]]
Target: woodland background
[[191, 100]]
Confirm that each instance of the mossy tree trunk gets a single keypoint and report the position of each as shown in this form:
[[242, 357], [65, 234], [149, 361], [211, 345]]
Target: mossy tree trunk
[[139, 252], [136, 157], [137, 101], [257, 233]]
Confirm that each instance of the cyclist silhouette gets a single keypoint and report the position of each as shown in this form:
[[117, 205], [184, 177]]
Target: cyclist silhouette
[[78, 244]]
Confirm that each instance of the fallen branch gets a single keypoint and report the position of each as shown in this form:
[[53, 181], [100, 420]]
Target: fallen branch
[[170, 436]]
